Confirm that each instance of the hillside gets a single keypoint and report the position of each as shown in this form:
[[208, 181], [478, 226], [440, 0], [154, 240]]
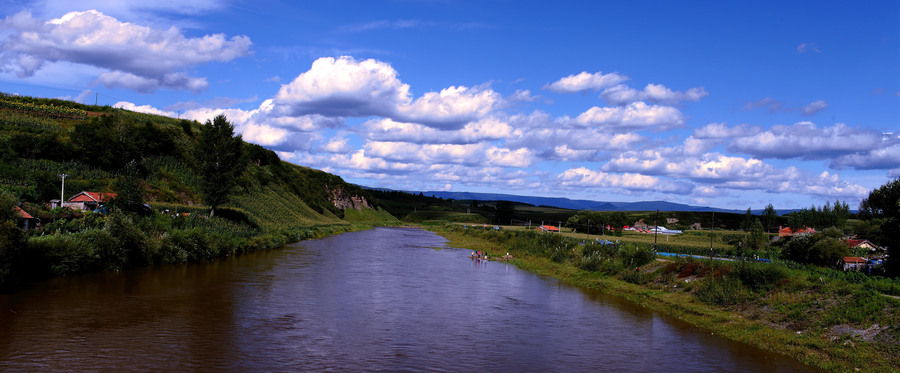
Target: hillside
[[153, 167]]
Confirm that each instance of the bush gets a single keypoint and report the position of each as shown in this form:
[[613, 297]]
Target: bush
[[721, 292], [591, 261], [759, 276], [636, 256], [638, 277]]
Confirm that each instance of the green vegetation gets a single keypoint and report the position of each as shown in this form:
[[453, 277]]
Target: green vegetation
[[168, 176], [820, 316]]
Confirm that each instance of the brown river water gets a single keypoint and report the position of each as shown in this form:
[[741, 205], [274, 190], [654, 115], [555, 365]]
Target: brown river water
[[386, 299]]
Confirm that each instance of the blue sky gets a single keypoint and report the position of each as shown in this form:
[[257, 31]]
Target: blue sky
[[723, 104]]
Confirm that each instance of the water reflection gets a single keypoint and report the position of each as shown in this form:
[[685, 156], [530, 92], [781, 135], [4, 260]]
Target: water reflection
[[375, 300]]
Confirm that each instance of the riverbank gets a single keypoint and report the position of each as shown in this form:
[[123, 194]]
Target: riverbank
[[822, 322]]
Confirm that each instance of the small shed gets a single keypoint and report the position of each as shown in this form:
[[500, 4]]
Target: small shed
[[548, 228]]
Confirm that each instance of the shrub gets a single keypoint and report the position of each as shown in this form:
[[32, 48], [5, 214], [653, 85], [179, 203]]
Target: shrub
[[638, 277], [759, 276], [591, 261], [721, 292], [636, 256]]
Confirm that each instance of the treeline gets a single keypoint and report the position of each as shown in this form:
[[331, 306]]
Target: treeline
[[822, 217]]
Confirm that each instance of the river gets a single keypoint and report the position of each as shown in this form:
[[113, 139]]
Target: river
[[387, 299]]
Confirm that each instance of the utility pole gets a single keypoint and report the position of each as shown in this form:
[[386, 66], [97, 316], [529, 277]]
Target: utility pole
[[589, 227], [62, 193], [712, 230], [656, 229]]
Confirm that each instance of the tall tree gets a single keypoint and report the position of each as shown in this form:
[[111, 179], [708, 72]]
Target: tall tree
[[884, 203], [128, 188], [748, 220], [768, 217], [219, 155]]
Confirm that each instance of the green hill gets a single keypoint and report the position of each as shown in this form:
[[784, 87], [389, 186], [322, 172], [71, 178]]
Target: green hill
[[153, 165]]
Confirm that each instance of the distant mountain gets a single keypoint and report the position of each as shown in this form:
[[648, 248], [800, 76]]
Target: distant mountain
[[577, 204]]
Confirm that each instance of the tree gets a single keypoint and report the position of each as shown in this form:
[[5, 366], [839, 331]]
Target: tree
[[768, 217], [220, 161], [884, 203], [757, 238], [822, 249], [506, 211], [11, 236], [748, 220], [128, 188]]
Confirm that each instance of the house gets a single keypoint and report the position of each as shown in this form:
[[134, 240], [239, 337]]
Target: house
[[787, 231], [29, 222], [671, 220], [853, 263], [640, 225], [548, 228], [88, 201], [862, 244], [696, 226]]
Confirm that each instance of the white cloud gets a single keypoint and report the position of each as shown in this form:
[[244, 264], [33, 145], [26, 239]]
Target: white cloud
[[451, 107], [722, 131], [488, 129], [584, 178], [147, 109], [656, 93], [805, 140], [136, 57], [885, 158], [635, 116], [585, 81], [723, 171], [350, 88], [814, 107], [770, 104], [808, 47]]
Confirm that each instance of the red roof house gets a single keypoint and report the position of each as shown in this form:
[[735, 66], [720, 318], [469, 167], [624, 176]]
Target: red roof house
[[548, 228], [87, 201], [853, 263], [28, 220], [862, 244], [787, 231]]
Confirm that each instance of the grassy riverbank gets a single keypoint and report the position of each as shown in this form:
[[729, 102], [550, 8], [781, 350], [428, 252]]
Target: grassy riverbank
[[153, 194], [822, 318]]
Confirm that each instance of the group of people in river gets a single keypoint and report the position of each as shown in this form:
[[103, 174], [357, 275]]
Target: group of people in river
[[481, 255]]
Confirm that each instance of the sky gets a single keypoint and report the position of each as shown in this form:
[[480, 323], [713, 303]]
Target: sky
[[721, 104]]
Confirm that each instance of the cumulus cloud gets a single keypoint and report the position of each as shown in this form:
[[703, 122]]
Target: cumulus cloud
[[582, 177], [585, 81], [349, 88], [655, 93], [135, 56], [885, 158], [722, 131], [488, 129], [635, 116], [729, 172], [805, 140]]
